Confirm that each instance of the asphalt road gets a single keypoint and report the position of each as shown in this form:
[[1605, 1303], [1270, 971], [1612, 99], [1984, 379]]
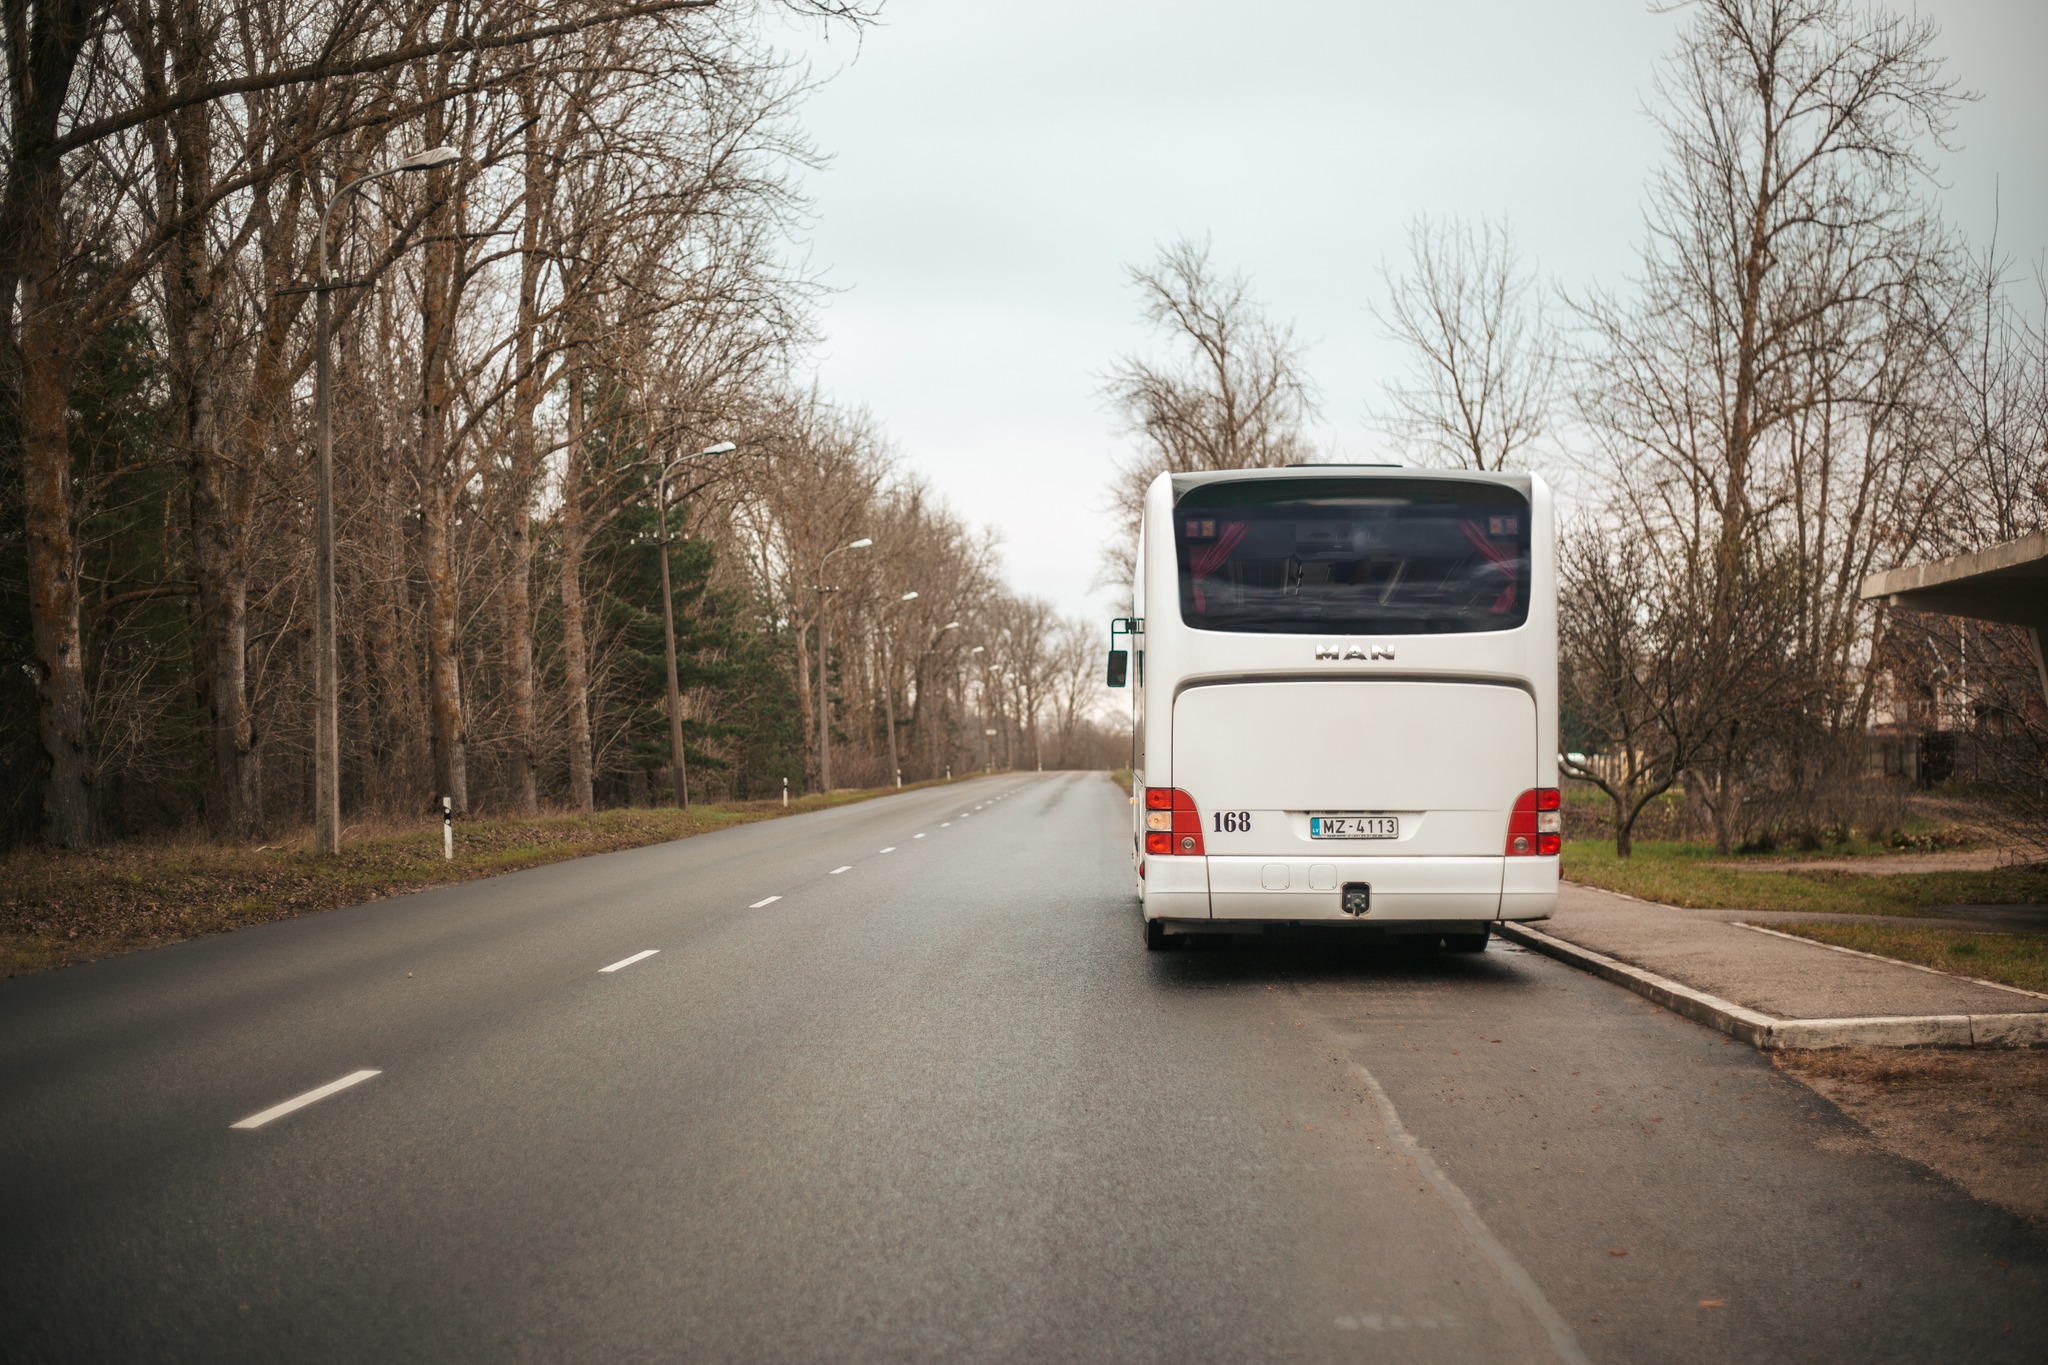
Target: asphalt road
[[934, 1102]]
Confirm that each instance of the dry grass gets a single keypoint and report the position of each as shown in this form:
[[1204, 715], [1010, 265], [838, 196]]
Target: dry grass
[[60, 907], [1979, 1117], [2014, 959]]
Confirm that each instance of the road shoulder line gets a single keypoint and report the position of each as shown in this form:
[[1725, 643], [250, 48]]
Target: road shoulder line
[[1562, 1340]]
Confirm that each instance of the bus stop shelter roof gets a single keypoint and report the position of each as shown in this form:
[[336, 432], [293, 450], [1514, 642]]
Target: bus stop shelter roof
[[2007, 582]]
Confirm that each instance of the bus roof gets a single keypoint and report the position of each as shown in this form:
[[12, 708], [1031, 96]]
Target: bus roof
[[1184, 483]]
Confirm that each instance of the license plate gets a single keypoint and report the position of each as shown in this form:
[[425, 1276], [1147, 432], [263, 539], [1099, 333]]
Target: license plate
[[1354, 827]]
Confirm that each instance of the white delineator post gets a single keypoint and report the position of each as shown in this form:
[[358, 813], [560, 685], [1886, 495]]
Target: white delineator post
[[785, 792], [448, 829]]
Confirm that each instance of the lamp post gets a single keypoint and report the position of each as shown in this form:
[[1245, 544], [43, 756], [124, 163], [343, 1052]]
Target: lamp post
[[678, 770], [1008, 694], [824, 648], [327, 666], [932, 746], [889, 699], [981, 720]]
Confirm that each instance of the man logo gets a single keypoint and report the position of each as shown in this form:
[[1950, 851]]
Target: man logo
[[1355, 652]]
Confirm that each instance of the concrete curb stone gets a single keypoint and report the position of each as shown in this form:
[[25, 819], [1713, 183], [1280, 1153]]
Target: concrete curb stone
[[1766, 1033]]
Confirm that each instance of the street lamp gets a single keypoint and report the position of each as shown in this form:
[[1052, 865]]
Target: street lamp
[[327, 666], [889, 698], [923, 659], [824, 648], [1007, 695], [678, 769], [981, 722]]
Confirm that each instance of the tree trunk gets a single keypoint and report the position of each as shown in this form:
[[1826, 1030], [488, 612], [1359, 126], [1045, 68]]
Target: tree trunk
[[517, 610], [31, 227], [47, 348], [518, 626], [396, 718], [220, 517], [440, 489], [806, 700], [444, 677], [222, 570], [575, 654], [889, 711], [824, 702]]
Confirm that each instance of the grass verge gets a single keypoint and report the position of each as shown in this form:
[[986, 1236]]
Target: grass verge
[[2014, 959], [59, 907], [1695, 875]]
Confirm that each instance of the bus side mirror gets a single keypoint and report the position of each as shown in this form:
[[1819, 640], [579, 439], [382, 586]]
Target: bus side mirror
[[1119, 667]]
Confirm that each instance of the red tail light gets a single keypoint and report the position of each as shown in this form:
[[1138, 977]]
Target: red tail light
[[1173, 827], [1536, 826]]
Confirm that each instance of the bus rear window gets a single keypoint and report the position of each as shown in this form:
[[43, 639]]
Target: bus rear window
[[1338, 556]]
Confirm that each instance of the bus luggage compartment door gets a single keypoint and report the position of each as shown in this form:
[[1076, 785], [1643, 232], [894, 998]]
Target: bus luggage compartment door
[[1445, 760]]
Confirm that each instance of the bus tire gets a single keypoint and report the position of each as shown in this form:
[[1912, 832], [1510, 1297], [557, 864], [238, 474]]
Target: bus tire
[[1157, 939], [1467, 943]]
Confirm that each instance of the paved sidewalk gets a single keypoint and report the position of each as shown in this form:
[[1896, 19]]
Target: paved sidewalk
[[1711, 952]]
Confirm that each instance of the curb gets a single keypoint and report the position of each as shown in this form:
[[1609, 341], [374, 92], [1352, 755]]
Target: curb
[[1765, 1033]]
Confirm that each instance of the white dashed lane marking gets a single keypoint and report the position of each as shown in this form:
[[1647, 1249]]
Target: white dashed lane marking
[[278, 1111], [758, 904], [640, 956], [837, 870], [889, 850], [917, 836], [945, 824]]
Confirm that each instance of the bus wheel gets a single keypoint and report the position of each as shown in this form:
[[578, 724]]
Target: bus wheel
[[1467, 943], [1156, 939]]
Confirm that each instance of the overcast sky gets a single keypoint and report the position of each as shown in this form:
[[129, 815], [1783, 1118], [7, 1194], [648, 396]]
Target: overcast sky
[[997, 163]]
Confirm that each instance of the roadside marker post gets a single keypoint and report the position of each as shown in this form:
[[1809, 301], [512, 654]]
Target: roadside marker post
[[448, 829], [785, 793]]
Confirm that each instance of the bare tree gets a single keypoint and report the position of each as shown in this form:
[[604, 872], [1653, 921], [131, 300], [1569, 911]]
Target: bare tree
[[1761, 398], [1074, 671], [161, 161], [1997, 396], [1231, 394], [1482, 378]]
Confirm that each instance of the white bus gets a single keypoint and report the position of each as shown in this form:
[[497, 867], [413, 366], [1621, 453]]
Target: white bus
[[1344, 701]]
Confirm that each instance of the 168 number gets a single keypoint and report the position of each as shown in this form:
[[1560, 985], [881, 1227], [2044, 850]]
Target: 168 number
[[1233, 822]]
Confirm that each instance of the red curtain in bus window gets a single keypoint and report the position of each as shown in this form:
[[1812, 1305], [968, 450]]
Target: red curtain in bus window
[[1500, 560], [1204, 562]]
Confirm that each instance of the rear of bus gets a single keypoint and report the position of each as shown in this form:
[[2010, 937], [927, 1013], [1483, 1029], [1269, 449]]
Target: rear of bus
[[1349, 708]]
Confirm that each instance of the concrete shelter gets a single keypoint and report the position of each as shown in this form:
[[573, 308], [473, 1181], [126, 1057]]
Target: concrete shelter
[[2006, 582]]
